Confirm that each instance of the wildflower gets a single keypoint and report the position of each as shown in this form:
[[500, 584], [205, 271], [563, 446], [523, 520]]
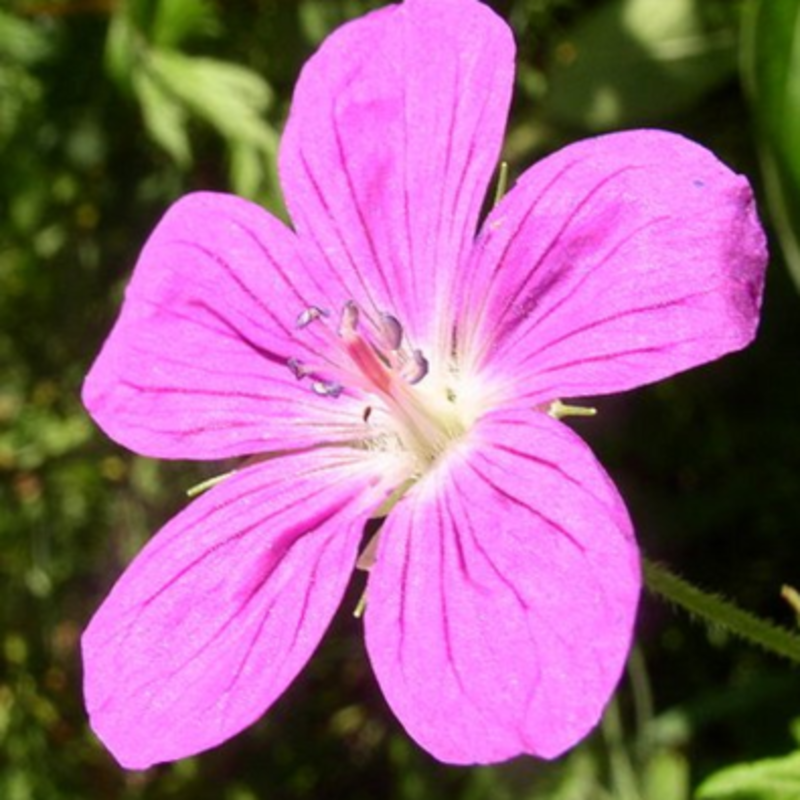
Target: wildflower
[[382, 357]]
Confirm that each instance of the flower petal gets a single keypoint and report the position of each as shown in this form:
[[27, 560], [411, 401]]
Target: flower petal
[[500, 608], [196, 366], [395, 129], [615, 262], [220, 611]]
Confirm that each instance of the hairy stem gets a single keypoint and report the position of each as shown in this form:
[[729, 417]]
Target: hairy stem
[[716, 610]]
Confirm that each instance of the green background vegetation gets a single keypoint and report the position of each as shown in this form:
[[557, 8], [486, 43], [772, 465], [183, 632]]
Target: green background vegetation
[[109, 111]]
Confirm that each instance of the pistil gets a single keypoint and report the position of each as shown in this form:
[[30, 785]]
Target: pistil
[[381, 365]]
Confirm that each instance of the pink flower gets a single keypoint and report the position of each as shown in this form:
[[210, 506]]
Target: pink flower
[[381, 351]]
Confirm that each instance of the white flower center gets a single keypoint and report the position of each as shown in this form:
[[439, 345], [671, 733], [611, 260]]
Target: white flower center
[[419, 405]]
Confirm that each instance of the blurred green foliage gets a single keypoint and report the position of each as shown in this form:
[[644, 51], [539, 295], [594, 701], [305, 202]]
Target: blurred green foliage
[[110, 110], [766, 779], [771, 57], [634, 62]]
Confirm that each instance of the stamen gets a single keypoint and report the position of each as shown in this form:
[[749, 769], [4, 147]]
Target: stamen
[[379, 364], [350, 315], [391, 332], [309, 315], [296, 368], [414, 370], [327, 388]]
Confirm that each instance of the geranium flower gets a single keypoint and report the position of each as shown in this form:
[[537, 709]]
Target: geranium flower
[[379, 356]]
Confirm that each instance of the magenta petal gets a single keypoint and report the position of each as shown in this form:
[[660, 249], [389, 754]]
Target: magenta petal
[[613, 263], [501, 606], [196, 365], [220, 611], [394, 132]]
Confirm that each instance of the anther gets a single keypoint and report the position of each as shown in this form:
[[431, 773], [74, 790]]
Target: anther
[[296, 368], [416, 368], [309, 315], [327, 388], [350, 315], [391, 331]]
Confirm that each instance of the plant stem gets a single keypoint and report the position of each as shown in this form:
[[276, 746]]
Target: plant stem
[[716, 610]]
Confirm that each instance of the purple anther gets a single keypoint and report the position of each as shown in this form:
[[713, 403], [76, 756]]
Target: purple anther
[[296, 368], [327, 388], [350, 315], [416, 368], [391, 331], [309, 315]]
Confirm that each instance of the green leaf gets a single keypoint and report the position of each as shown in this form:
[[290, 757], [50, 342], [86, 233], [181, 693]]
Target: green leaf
[[768, 779], [137, 26], [771, 68], [176, 21], [319, 17], [666, 776], [253, 173], [164, 117], [636, 61], [21, 41], [229, 97], [21, 46], [122, 47]]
